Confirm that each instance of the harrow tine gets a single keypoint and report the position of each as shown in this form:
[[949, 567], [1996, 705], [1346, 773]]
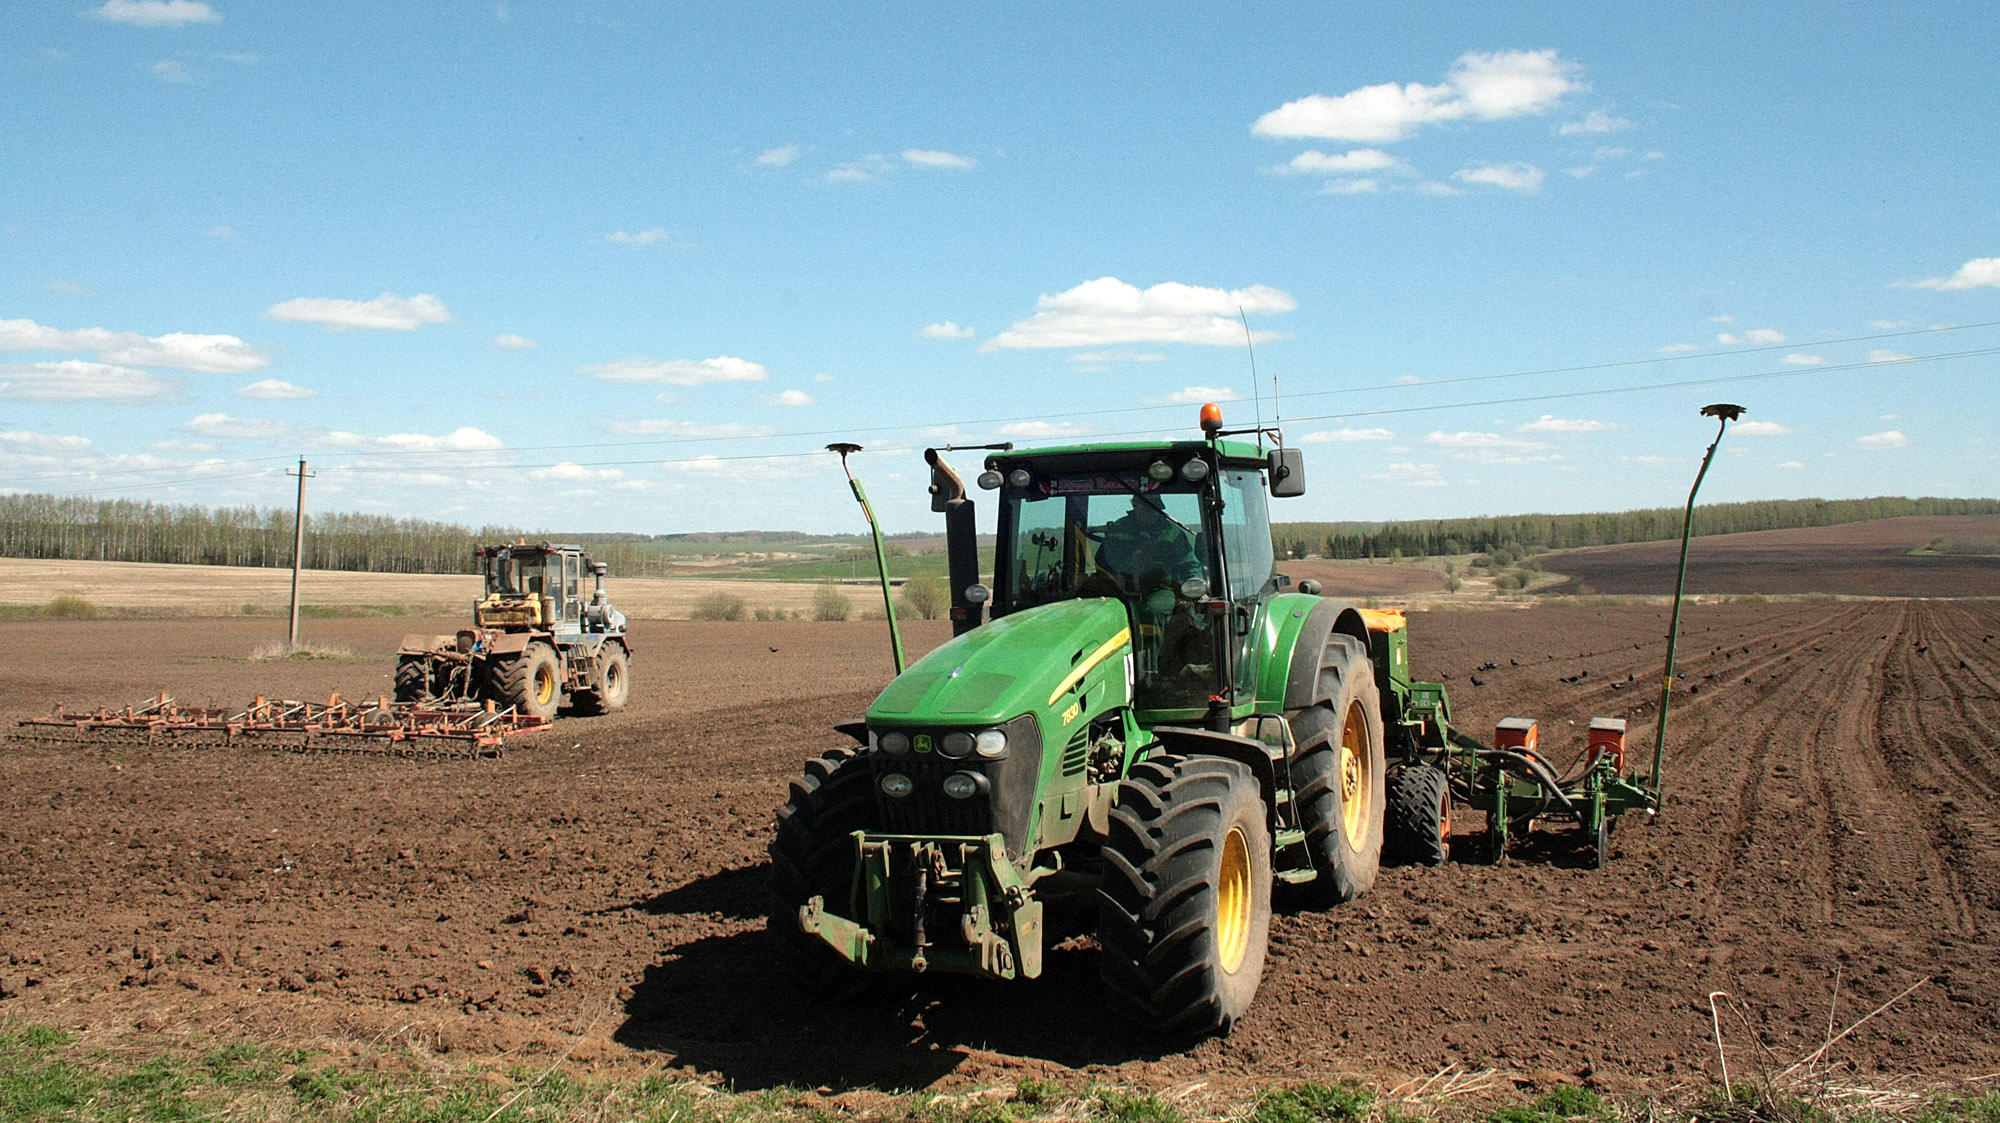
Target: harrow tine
[[406, 729]]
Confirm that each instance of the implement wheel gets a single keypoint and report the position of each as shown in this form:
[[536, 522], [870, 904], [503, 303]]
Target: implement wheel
[[531, 681], [1184, 897], [610, 683], [1418, 827], [812, 856], [1338, 777], [413, 679]]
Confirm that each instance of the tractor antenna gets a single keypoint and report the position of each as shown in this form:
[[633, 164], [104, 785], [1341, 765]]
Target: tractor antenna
[[1251, 347], [1724, 414]]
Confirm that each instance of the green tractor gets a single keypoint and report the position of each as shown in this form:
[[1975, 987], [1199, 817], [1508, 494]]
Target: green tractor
[[1152, 735]]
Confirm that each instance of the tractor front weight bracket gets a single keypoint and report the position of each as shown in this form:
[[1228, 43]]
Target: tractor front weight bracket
[[909, 889]]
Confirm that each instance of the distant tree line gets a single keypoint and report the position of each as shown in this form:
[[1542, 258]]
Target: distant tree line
[[77, 527], [1605, 528]]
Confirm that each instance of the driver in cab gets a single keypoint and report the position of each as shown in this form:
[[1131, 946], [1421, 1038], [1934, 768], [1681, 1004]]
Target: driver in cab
[[1146, 550]]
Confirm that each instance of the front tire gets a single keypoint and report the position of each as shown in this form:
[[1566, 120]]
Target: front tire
[[1184, 898], [1338, 777], [812, 855], [531, 682], [610, 683]]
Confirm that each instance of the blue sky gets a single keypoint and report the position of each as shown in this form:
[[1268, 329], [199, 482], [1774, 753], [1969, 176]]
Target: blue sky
[[627, 266]]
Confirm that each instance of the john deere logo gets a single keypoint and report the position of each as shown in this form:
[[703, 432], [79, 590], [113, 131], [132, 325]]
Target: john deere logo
[[922, 742]]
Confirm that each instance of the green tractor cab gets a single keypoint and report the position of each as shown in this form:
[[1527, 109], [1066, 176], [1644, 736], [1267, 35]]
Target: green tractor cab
[[1149, 736]]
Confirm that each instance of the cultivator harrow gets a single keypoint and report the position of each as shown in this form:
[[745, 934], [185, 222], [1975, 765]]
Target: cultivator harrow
[[338, 725]]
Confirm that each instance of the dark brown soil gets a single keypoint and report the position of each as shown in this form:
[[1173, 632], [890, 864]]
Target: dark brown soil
[[1832, 826], [1867, 559]]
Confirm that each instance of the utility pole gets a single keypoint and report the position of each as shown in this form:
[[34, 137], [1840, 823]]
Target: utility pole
[[298, 554]]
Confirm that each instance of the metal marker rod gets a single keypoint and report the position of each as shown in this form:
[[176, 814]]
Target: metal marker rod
[[881, 555], [1724, 414]]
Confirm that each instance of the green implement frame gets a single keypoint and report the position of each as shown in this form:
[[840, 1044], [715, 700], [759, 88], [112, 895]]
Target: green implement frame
[[1511, 781]]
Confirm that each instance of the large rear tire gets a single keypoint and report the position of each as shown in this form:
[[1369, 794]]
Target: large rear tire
[[812, 855], [413, 679], [1418, 831], [531, 681], [1184, 897], [1337, 777], [610, 683]]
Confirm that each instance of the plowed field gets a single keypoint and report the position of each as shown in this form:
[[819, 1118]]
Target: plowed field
[[1832, 838]]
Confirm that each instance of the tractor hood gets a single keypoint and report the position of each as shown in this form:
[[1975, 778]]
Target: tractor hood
[[1035, 661]]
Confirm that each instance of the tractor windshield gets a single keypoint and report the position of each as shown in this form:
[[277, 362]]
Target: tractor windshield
[[1118, 535], [512, 576]]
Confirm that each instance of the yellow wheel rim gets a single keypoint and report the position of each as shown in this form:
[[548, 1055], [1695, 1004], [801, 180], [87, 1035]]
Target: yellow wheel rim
[[1354, 793], [545, 685], [1232, 902]]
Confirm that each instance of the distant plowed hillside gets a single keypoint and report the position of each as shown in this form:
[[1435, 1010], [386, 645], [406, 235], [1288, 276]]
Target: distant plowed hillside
[[1920, 556]]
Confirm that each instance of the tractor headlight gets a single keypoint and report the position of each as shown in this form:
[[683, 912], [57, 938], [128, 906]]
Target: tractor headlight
[[991, 743], [896, 785], [895, 743], [1020, 477], [989, 479], [1195, 470], [963, 785], [1194, 588], [955, 744], [1160, 470], [978, 594]]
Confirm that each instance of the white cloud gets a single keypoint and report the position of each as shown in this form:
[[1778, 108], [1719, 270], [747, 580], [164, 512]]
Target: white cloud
[[1433, 187], [1980, 272], [790, 398], [1800, 359], [778, 157], [930, 158], [1882, 356], [1033, 430], [694, 430], [822, 377], [1596, 121], [1548, 423], [1197, 395], [1754, 335], [207, 354], [67, 286], [1760, 429], [568, 471], [221, 233], [1365, 185], [514, 342], [1493, 448], [387, 312], [174, 73], [1117, 357], [678, 372], [44, 443], [947, 329], [466, 439], [1679, 348], [1346, 436], [275, 388], [1789, 464], [1409, 380], [1479, 87], [1410, 474], [1524, 178], [866, 168], [1109, 311], [1724, 318], [641, 238], [156, 13], [1886, 439], [1888, 325], [1648, 461], [77, 380], [1352, 162], [237, 428]]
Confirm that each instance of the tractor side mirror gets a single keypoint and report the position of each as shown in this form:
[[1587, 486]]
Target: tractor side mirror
[[946, 487], [1287, 472]]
